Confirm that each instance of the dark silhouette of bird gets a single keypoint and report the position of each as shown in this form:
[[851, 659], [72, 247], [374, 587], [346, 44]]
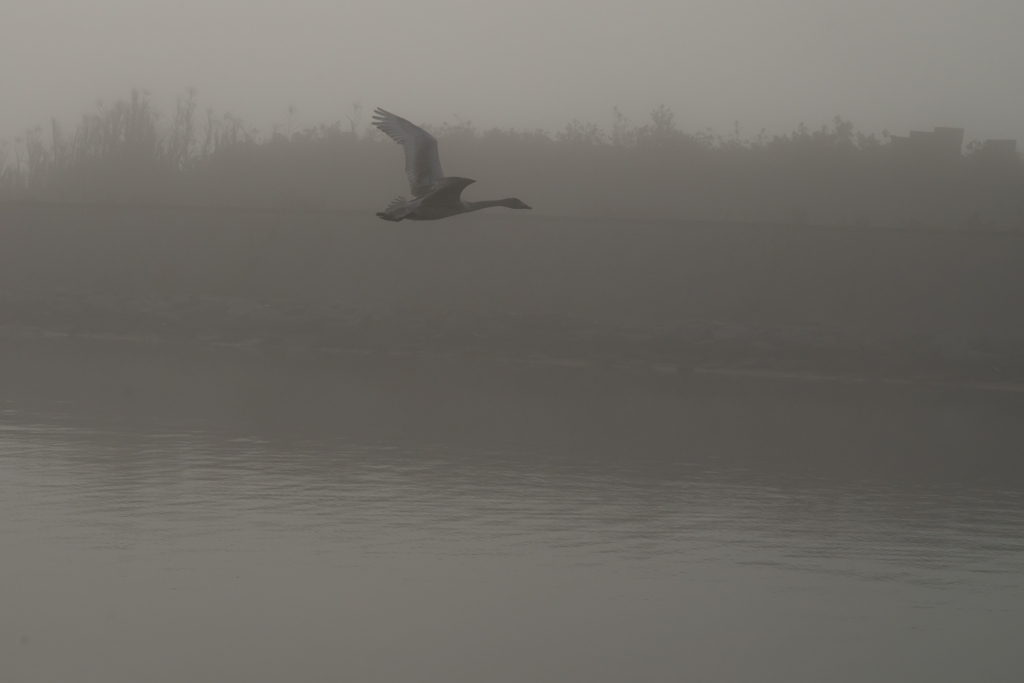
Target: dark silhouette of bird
[[434, 195]]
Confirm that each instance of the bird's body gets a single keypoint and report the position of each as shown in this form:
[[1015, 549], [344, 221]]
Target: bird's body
[[434, 195]]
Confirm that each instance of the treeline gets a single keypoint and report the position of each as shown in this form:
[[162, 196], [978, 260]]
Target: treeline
[[130, 153]]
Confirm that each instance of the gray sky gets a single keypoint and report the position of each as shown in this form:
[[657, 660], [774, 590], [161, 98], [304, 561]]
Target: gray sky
[[895, 64]]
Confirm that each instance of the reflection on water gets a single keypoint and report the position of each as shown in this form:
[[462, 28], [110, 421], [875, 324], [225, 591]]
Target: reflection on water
[[591, 530]]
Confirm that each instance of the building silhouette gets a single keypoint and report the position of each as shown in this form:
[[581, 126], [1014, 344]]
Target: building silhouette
[[938, 143]]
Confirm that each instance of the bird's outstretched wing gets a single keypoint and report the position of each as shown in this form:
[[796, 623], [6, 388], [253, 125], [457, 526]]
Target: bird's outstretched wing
[[422, 165]]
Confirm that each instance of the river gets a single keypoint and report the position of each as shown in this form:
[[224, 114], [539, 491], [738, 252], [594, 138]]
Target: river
[[189, 514]]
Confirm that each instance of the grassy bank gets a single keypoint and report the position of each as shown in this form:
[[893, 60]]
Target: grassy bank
[[792, 299]]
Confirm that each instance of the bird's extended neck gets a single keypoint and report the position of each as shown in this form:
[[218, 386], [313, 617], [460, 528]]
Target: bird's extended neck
[[488, 203]]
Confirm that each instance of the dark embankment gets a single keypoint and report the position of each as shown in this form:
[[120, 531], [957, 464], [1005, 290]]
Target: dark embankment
[[855, 302]]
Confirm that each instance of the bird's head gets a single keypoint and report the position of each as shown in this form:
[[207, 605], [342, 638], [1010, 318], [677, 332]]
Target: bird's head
[[515, 204]]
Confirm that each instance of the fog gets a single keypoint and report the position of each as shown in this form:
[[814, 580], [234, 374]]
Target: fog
[[739, 398], [894, 66]]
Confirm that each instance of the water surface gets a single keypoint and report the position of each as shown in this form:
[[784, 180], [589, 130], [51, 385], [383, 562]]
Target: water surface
[[184, 515]]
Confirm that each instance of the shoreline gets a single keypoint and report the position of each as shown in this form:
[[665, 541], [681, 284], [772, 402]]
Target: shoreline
[[691, 349], [790, 301]]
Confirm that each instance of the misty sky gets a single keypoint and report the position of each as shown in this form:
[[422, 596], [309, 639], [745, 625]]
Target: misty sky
[[897, 64]]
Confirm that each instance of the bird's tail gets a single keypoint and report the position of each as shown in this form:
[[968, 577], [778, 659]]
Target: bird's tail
[[398, 209]]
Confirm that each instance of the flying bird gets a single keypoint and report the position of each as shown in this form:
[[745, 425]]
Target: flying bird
[[434, 195]]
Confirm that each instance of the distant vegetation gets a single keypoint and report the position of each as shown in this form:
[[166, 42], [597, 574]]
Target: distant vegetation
[[129, 152]]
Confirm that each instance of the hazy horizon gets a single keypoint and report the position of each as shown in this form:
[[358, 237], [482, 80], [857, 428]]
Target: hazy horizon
[[709, 411], [914, 65]]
